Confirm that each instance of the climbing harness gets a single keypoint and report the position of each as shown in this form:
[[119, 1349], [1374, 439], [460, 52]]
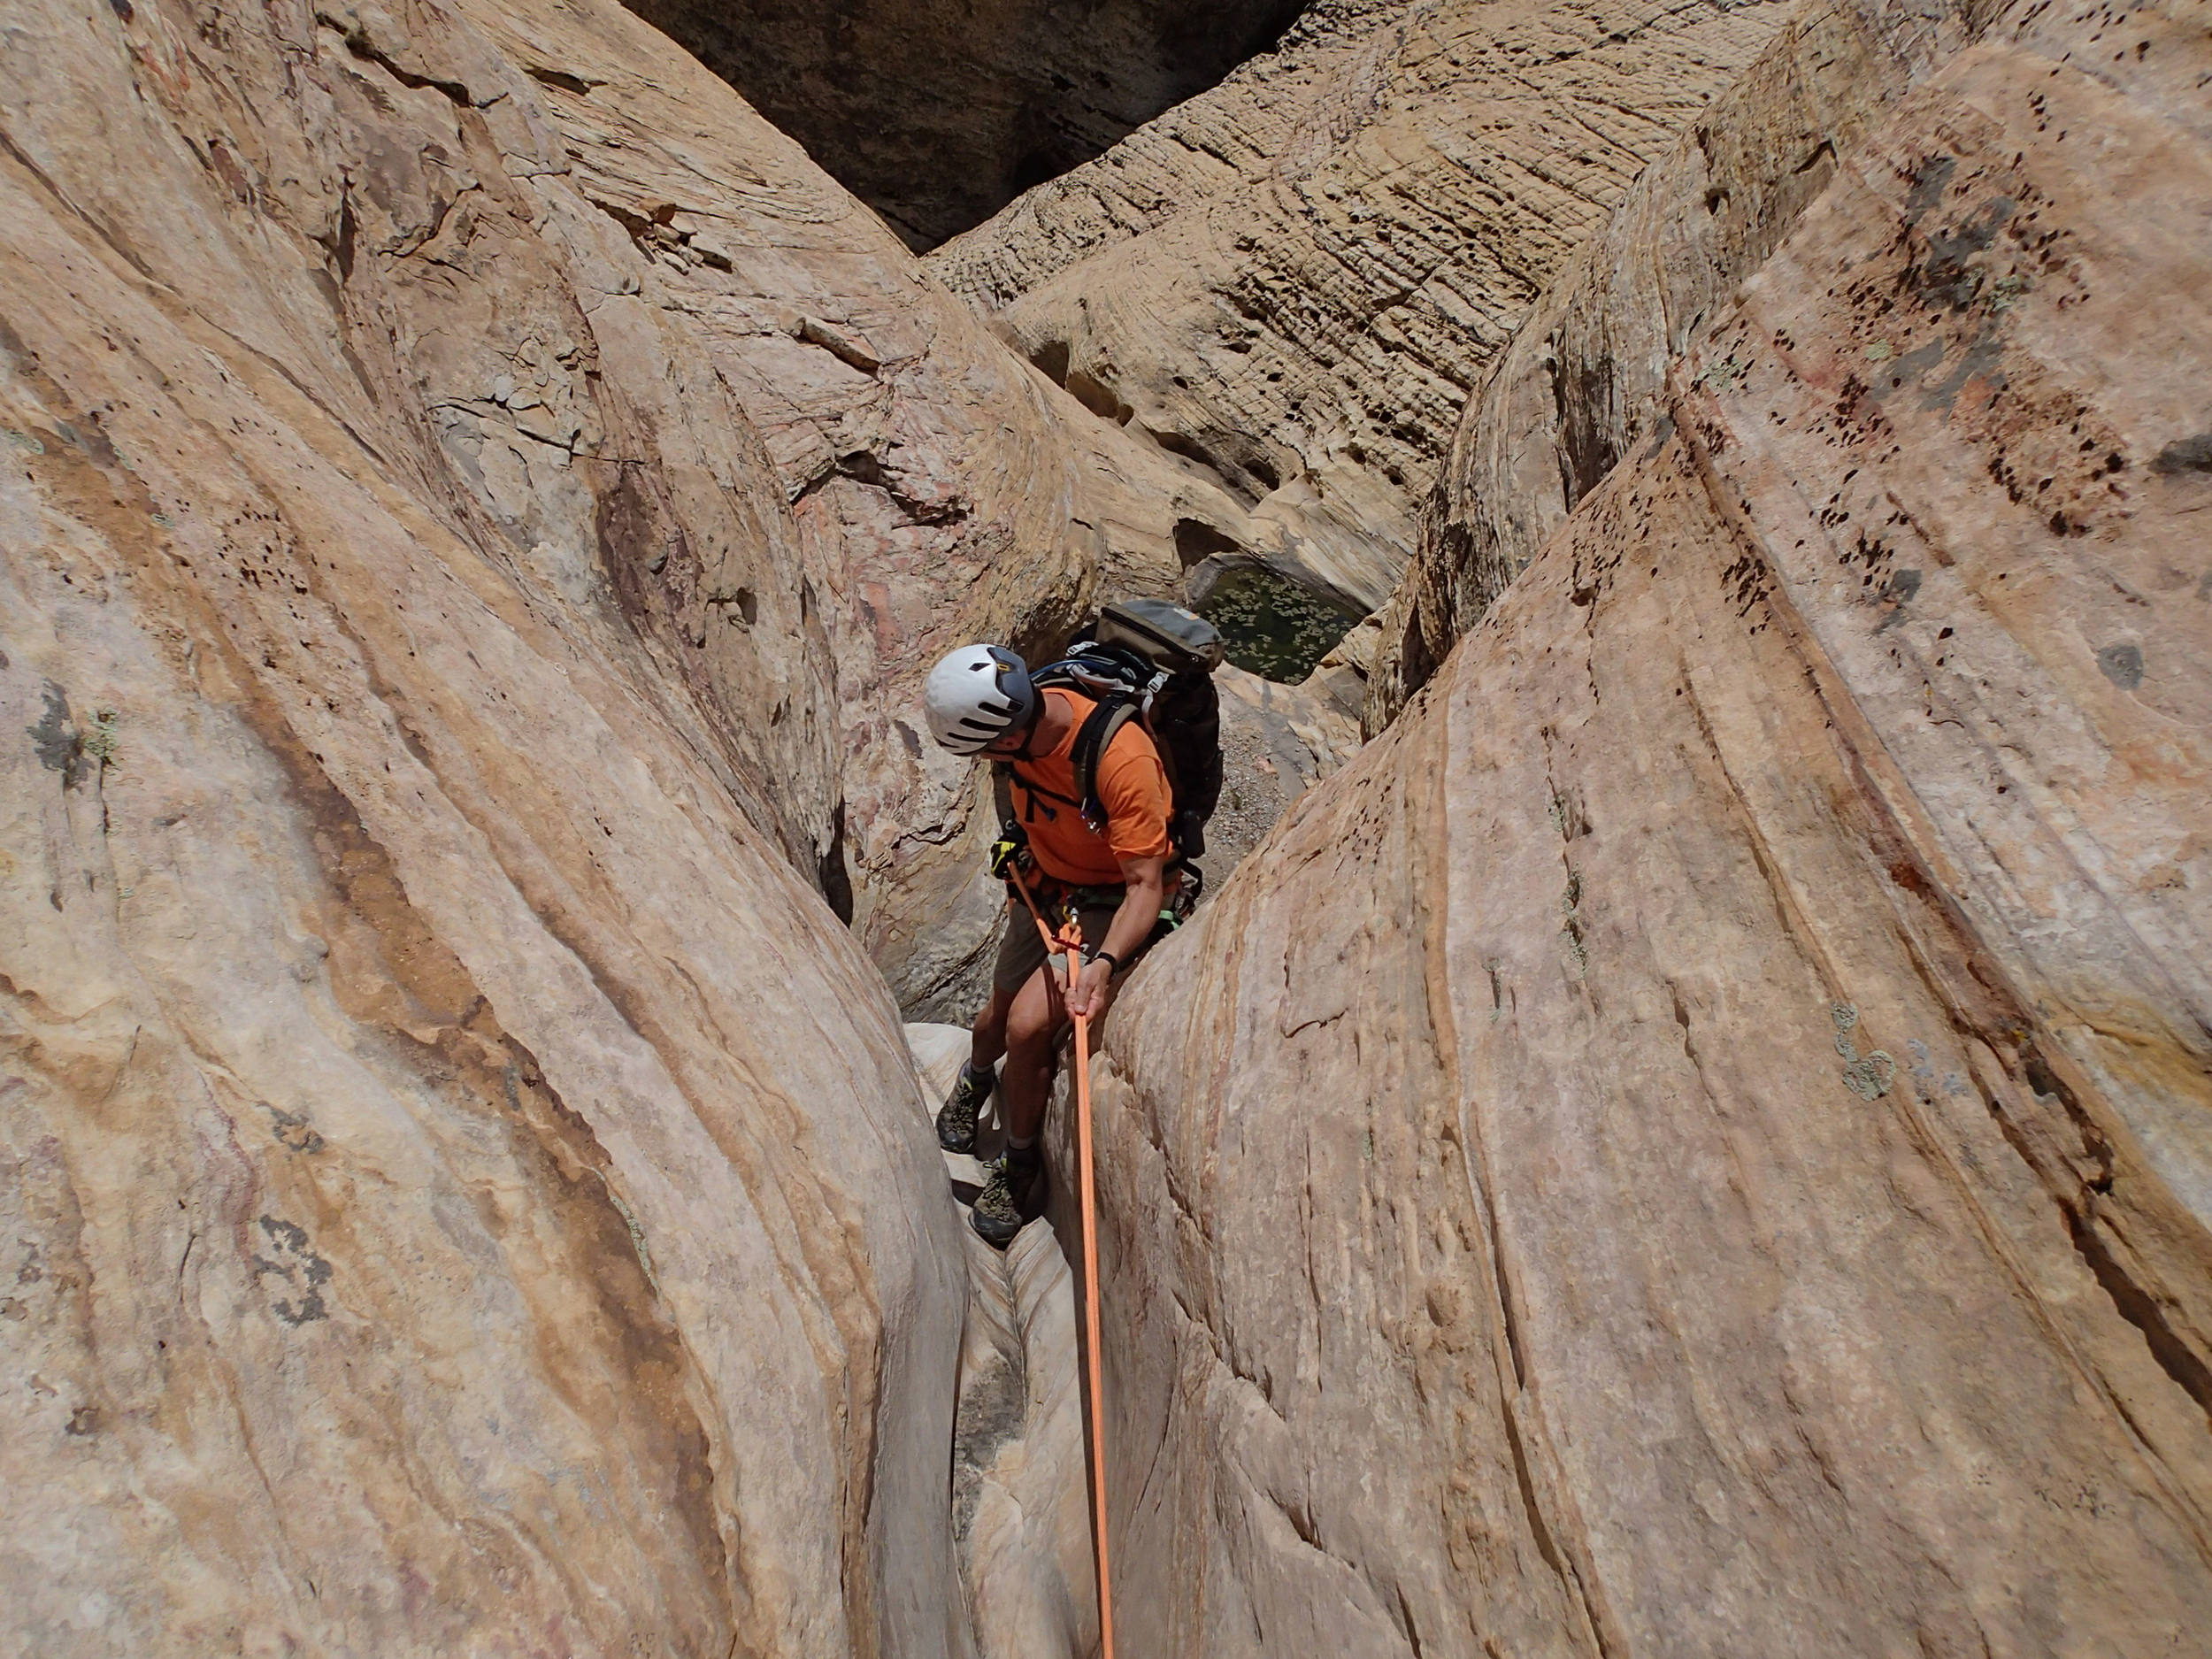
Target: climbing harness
[[1068, 945]]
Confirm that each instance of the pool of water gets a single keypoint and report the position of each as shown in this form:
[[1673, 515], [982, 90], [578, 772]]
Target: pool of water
[[1272, 627]]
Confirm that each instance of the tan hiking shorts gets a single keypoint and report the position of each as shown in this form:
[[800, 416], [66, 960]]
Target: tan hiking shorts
[[1021, 953]]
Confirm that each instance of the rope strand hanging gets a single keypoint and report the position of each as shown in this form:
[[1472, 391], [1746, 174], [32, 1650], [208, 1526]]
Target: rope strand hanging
[[1067, 944]]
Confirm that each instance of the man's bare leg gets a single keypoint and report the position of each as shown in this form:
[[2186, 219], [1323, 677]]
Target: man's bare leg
[[987, 1040], [1030, 1027]]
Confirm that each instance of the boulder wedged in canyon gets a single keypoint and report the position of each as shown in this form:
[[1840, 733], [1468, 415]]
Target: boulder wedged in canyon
[[1294, 279], [1583, 378], [460, 1181], [936, 115], [1696, 1141]]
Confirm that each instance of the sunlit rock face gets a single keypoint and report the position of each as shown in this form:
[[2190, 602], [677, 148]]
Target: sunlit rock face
[[648, 351], [1696, 1141], [1692, 1142], [1583, 381], [1293, 279], [461, 1187], [937, 114]]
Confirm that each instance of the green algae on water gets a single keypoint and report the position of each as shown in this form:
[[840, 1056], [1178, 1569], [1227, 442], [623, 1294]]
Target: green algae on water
[[1272, 627]]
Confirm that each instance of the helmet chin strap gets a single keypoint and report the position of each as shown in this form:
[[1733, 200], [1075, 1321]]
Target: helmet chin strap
[[1029, 732]]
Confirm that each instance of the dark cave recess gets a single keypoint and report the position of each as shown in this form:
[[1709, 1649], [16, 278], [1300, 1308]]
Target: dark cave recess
[[938, 112]]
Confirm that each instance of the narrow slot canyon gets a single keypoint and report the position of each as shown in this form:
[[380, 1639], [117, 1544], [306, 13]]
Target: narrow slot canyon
[[1677, 1124]]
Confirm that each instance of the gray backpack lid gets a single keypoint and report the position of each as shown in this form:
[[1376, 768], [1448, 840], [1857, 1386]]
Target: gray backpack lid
[[1163, 633]]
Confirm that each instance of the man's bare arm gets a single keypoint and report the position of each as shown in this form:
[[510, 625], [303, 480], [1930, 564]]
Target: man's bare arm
[[1146, 880]]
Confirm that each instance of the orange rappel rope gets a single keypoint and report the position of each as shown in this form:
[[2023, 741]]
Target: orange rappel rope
[[1068, 944]]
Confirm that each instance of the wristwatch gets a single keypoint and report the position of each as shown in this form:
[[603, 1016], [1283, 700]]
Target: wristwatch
[[1109, 959]]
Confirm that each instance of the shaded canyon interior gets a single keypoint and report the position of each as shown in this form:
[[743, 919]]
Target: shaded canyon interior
[[937, 115], [1683, 1124]]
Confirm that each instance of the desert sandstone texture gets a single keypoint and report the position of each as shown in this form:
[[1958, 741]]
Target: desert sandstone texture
[[1585, 377], [1696, 1138], [421, 1053], [627, 335], [1696, 1143], [1294, 279]]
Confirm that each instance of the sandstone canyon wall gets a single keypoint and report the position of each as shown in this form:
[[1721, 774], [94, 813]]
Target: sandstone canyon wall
[[1584, 378], [912, 486], [460, 1189], [1021, 1520], [1295, 279], [1693, 1141], [1697, 1142], [641, 342]]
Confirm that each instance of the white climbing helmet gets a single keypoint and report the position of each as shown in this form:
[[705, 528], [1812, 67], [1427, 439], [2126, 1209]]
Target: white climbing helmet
[[976, 693]]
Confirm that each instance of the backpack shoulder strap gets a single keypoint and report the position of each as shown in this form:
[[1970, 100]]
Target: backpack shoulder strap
[[1004, 778], [1097, 732]]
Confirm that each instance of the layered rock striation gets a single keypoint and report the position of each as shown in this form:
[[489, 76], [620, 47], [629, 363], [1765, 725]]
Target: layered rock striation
[[1583, 378], [1694, 1142], [461, 1185], [630, 337], [1294, 279], [908, 485]]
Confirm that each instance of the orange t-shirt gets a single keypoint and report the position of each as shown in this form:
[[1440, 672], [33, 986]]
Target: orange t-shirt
[[1132, 787]]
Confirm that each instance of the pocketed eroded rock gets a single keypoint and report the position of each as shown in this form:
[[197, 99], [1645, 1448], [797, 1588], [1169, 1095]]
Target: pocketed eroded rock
[[1583, 383], [1293, 279], [1695, 1141]]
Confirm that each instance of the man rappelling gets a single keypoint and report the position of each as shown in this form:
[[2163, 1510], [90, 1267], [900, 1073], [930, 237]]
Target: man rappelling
[[1107, 764]]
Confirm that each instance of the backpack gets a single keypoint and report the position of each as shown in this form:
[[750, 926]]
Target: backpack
[[1152, 662]]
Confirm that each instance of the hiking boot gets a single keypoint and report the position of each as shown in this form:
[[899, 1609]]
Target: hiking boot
[[955, 1119], [1014, 1197]]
